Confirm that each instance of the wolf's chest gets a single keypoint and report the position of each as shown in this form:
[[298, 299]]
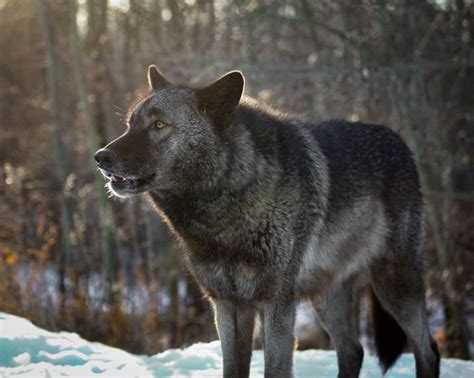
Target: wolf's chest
[[240, 282], [234, 252]]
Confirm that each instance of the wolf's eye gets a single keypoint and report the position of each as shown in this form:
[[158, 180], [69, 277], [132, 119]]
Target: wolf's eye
[[160, 125]]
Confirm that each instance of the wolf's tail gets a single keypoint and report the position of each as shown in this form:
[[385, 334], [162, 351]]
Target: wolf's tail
[[390, 340]]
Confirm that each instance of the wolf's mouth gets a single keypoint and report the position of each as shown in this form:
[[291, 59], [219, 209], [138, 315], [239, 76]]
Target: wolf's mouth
[[119, 181], [116, 178], [125, 186]]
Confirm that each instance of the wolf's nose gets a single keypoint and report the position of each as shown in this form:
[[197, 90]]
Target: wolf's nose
[[105, 158]]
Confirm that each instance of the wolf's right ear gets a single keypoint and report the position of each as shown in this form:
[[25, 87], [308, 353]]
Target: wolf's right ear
[[156, 80]]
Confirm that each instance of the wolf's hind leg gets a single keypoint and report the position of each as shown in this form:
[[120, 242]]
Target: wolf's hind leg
[[334, 310], [398, 285], [235, 328]]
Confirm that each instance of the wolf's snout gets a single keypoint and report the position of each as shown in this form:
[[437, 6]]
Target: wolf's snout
[[105, 158]]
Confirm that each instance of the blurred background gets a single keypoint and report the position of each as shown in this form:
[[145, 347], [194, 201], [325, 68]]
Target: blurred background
[[73, 259]]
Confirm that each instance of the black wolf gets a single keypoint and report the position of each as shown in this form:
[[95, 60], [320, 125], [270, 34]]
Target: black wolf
[[272, 210]]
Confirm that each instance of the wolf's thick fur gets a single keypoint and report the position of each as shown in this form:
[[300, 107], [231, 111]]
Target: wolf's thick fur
[[272, 210]]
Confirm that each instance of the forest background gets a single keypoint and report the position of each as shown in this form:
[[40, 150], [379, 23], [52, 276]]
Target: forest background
[[73, 259]]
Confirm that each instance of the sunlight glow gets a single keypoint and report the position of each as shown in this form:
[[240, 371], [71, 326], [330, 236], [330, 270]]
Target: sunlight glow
[[123, 5]]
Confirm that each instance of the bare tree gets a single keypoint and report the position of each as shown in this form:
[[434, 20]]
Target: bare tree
[[109, 262]]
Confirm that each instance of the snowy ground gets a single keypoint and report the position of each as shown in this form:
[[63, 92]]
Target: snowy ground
[[30, 351]]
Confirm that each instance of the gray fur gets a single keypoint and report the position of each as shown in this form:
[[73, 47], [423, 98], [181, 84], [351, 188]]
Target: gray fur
[[271, 210]]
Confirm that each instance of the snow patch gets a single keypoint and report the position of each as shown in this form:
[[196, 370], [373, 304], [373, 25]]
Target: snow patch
[[31, 351]]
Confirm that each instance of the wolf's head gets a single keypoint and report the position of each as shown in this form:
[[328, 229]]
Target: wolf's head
[[173, 136]]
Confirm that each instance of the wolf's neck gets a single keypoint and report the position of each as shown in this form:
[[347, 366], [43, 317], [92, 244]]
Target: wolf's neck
[[250, 170], [248, 180]]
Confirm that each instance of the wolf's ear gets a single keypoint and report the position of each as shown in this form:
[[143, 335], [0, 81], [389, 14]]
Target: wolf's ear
[[156, 80], [219, 99]]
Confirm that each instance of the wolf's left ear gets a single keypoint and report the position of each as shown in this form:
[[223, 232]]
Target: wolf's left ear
[[219, 99], [156, 80]]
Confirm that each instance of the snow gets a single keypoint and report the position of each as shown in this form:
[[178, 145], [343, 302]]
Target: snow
[[31, 351]]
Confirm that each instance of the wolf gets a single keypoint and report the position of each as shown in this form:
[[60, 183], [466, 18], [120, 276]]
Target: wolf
[[272, 210]]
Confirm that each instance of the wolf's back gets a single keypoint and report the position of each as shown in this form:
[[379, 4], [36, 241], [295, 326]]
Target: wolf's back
[[366, 159]]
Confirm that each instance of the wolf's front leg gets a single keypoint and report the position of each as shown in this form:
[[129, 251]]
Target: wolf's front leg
[[278, 324], [235, 327]]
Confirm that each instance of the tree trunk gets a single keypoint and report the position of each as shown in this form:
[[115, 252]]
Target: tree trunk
[[58, 147], [106, 218], [456, 325]]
